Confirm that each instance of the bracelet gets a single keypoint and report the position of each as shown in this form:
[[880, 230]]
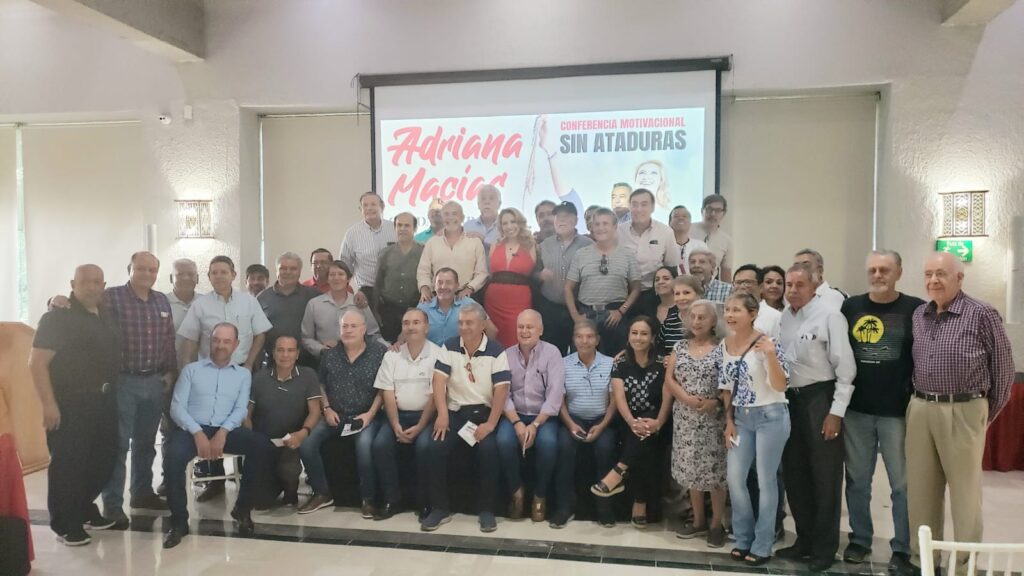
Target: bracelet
[[517, 422]]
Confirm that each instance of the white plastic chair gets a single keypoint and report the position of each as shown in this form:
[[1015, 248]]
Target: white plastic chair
[[235, 475], [998, 558]]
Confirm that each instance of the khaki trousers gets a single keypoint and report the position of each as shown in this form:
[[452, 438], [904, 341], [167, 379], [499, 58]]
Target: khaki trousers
[[945, 444]]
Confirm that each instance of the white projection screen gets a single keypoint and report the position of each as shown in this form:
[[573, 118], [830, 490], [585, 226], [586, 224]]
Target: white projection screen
[[560, 139]]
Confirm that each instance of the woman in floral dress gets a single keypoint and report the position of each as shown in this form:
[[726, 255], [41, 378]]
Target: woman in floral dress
[[698, 452]]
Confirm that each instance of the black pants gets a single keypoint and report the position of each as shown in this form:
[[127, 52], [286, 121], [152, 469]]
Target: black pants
[[644, 460], [813, 470], [558, 325], [256, 467], [390, 319], [82, 454], [486, 454]]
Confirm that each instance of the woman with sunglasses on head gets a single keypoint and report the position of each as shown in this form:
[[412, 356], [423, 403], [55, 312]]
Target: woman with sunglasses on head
[[753, 381], [638, 387]]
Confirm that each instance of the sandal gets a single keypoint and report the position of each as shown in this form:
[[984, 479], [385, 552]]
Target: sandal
[[755, 560], [739, 554], [603, 491]]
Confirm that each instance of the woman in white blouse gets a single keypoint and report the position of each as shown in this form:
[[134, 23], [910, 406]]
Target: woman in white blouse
[[753, 381]]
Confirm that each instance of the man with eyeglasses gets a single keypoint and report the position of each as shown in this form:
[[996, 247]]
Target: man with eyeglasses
[[607, 279], [555, 255], [471, 383], [709, 231]]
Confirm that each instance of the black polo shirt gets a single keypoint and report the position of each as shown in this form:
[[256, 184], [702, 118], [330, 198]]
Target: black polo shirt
[[281, 407], [87, 347], [285, 313]]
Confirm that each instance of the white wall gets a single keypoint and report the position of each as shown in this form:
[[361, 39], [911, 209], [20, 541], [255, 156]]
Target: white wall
[[951, 115], [8, 226]]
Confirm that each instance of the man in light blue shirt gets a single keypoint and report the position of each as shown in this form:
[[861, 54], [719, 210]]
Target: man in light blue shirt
[[209, 404], [486, 227]]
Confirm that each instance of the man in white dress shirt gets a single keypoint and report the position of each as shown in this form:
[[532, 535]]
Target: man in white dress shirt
[[364, 242], [833, 297], [749, 278], [822, 369]]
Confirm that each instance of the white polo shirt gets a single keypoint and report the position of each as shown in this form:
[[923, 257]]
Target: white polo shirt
[[410, 378]]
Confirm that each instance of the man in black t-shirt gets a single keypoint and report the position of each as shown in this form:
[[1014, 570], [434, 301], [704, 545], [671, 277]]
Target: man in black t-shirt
[[284, 406], [882, 339], [76, 357]]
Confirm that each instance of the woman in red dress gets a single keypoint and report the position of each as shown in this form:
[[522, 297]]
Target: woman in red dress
[[509, 289]]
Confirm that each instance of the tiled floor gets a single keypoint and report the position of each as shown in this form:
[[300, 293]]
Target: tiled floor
[[325, 541]]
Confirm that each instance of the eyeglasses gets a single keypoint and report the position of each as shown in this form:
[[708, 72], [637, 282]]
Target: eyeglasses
[[745, 282], [603, 268], [469, 371]]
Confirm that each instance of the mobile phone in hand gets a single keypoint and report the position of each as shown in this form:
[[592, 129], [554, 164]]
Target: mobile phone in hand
[[581, 434], [356, 424]]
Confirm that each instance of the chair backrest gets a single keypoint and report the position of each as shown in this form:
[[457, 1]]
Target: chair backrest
[[988, 559]]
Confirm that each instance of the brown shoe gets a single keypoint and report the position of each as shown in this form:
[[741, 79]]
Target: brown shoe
[[316, 502], [213, 490], [538, 511], [515, 505], [148, 502]]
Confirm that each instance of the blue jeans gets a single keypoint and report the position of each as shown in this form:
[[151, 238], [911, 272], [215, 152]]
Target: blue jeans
[[604, 458], [762, 433], [546, 453], [309, 453], [140, 404], [384, 445], [866, 436]]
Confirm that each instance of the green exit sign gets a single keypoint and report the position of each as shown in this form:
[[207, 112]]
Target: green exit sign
[[962, 249]]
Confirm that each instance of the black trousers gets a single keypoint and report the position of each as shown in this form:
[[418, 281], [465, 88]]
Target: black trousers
[[82, 454], [390, 315], [813, 471], [644, 459], [558, 325]]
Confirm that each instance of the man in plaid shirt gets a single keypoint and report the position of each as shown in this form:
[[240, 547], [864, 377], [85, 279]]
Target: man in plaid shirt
[[963, 370]]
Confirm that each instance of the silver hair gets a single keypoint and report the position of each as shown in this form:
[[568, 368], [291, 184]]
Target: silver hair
[[474, 308], [712, 309], [706, 252], [290, 256], [818, 259], [890, 253], [184, 262], [812, 273], [540, 318], [585, 323]]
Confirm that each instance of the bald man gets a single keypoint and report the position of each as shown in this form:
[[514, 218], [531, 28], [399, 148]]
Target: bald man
[[75, 361], [963, 370], [531, 413]]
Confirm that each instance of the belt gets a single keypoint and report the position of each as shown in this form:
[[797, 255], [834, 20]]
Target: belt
[[140, 372], [817, 386], [599, 307], [951, 398], [507, 277]]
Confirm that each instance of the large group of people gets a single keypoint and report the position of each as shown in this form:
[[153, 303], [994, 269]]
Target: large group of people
[[638, 342]]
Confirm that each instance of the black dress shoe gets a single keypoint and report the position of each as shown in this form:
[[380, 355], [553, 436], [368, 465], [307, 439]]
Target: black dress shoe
[[386, 511], [820, 564], [174, 537], [214, 489], [246, 527]]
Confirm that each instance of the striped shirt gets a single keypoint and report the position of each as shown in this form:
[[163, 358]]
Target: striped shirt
[[557, 257], [964, 349], [361, 247], [672, 330], [587, 388], [147, 329], [597, 289], [472, 378]]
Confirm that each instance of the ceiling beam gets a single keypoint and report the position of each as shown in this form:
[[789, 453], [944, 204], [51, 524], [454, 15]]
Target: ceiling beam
[[174, 29]]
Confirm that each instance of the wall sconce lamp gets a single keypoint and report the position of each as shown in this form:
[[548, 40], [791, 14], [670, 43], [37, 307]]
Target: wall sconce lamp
[[194, 218], [963, 214]]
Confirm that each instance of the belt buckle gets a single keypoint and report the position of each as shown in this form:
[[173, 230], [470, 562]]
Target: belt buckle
[[105, 388]]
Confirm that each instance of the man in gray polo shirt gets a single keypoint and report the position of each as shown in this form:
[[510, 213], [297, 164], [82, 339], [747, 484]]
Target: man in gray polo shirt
[[284, 405], [555, 257], [608, 280], [284, 303]]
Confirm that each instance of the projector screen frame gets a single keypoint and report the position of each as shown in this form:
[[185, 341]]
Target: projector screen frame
[[718, 64]]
